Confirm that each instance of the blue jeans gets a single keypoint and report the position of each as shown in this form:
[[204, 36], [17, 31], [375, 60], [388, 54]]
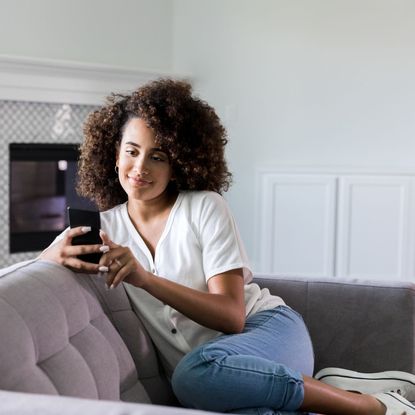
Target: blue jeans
[[258, 371]]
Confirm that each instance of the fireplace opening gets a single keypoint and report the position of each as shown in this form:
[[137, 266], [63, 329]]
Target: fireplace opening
[[42, 185]]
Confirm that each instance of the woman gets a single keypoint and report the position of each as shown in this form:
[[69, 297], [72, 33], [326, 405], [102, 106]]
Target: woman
[[153, 162]]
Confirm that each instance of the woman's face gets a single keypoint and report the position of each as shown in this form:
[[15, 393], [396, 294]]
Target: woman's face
[[144, 169]]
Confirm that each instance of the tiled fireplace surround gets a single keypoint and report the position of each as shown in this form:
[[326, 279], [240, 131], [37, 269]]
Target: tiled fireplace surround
[[44, 101], [32, 122]]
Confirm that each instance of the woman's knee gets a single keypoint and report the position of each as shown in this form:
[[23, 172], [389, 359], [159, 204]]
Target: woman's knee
[[192, 376], [187, 380]]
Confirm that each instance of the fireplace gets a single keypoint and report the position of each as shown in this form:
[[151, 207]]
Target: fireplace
[[42, 185], [41, 129]]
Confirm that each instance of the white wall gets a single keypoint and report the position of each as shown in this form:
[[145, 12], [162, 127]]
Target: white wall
[[316, 82], [125, 33], [300, 82]]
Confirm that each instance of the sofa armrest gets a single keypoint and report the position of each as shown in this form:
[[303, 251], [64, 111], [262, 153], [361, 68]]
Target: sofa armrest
[[357, 324], [18, 403]]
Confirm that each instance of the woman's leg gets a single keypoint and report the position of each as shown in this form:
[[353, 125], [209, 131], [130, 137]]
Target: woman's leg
[[328, 400], [260, 368]]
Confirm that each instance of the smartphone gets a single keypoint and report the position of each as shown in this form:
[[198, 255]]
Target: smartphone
[[80, 217]]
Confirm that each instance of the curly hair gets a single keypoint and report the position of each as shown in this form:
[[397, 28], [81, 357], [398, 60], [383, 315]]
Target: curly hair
[[186, 128]]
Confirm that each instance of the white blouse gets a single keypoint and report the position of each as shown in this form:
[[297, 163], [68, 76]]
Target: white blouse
[[200, 240]]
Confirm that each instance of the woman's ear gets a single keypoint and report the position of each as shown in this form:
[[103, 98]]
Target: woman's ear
[[117, 154]]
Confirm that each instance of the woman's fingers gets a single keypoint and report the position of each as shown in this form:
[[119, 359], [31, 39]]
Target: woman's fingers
[[79, 266], [72, 232], [68, 255], [114, 279], [106, 240], [71, 257], [121, 264], [75, 250], [117, 261]]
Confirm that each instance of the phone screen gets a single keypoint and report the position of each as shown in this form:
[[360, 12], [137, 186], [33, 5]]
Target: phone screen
[[80, 217]]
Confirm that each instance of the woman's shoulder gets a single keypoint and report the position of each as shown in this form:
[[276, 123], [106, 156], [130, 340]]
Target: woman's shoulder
[[202, 197], [204, 203]]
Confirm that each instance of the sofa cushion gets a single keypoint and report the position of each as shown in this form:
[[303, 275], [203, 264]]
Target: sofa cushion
[[56, 338], [118, 308], [363, 325]]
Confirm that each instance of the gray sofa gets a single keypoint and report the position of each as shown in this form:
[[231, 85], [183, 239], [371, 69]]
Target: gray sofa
[[69, 346]]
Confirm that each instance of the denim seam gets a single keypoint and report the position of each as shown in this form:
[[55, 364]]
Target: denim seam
[[214, 362]]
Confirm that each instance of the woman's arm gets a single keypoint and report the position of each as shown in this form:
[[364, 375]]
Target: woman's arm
[[222, 308]]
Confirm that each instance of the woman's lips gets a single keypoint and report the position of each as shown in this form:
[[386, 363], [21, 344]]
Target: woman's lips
[[137, 181]]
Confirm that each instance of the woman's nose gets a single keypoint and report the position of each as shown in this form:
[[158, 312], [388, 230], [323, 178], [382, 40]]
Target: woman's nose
[[140, 166]]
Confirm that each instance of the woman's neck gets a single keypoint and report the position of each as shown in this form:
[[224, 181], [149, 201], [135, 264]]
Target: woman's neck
[[148, 210]]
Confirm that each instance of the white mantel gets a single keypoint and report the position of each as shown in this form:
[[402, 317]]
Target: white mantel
[[44, 80]]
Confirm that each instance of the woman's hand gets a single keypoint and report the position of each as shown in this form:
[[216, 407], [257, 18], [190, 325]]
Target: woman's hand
[[122, 265], [64, 253]]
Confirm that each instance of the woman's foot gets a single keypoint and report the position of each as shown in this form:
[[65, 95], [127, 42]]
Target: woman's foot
[[402, 383]]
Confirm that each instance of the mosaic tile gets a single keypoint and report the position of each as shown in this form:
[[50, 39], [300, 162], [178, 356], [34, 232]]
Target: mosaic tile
[[32, 122]]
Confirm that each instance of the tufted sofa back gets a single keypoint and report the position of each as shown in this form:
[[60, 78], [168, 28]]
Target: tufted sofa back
[[63, 333]]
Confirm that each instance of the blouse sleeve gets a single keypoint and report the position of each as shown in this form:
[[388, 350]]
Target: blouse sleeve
[[221, 244]]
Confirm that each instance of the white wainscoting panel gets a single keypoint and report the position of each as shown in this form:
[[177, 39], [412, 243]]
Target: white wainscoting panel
[[297, 224], [375, 227]]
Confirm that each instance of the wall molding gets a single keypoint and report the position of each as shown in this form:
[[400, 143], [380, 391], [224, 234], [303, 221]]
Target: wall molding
[[355, 225], [360, 222], [54, 81], [273, 237], [340, 169]]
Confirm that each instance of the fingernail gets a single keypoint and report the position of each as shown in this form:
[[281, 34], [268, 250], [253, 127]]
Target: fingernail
[[102, 268], [112, 286], [86, 229], [101, 232], [104, 248]]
